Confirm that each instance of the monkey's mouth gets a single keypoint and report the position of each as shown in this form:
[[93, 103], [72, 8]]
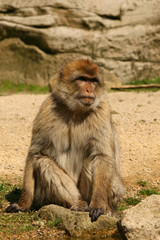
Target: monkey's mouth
[[86, 100]]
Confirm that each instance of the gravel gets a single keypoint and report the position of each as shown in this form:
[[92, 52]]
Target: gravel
[[137, 119]]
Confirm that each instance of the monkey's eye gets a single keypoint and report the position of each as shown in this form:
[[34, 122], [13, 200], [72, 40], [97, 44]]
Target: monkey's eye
[[94, 80], [85, 79], [82, 78]]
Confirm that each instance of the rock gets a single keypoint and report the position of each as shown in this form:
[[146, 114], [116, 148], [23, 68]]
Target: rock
[[20, 62], [142, 221], [25, 63], [38, 223], [78, 224], [123, 36], [109, 7]]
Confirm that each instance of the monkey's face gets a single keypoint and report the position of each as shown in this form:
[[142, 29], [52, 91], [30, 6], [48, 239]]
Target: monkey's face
[[86, 90], [80, 85]]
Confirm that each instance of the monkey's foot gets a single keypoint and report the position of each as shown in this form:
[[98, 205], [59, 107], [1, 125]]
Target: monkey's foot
[[95, 213], [80, 206], [13, 208]]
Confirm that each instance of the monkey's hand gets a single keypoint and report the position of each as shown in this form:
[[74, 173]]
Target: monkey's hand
[[95, 213], [13, 208]]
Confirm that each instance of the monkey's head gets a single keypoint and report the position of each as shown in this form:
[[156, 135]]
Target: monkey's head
[[80, 85]]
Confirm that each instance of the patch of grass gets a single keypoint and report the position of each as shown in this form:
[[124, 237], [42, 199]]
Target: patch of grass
[[149, 192], [141, 82], [142, 183], [4, 187], [8, 87], [132, 201], [122, 207], [52, 223], [9, 192], [145, 81], [137, 90], [17, 223], [140, 195], [127, 202]]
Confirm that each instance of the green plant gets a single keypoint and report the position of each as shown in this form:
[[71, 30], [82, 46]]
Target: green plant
[[9, 192], [142, 183], [18, 223], [142, 82], [145, 81], [52, 223], [122, 207], [132, 201], [148, 192], [4, 187], [10, 87]]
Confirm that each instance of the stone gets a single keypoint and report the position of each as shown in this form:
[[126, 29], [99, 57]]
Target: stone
[[23, 63], [123, 36], [28, 64], [78, 224], [38, 223], [142, 221]]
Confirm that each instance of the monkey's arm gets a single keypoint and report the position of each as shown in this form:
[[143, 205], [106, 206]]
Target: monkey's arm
[[102, 171], [103, 165], [39, 140], [27, 192]]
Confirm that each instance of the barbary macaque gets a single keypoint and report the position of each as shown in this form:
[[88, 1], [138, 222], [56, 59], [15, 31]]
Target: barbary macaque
[[73, 159]]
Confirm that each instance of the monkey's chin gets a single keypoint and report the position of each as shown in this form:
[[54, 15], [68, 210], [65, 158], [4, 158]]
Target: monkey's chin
[[86, 103]]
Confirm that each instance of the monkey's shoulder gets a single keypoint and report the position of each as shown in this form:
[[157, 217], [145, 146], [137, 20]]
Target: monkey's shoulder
[[45, 114], [47, 105]]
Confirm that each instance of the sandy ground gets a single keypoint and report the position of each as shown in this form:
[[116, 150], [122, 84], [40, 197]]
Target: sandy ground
[[137, 119]]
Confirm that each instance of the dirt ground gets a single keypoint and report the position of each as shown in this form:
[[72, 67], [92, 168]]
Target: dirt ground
[[137, 119]]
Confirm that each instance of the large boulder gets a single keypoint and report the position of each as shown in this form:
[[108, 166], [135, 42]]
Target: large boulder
[[20, 62], [142, 221], [122, 36], [78, 224]]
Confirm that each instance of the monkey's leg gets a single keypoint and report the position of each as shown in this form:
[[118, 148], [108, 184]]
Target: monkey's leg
[[27, 192], [54, 185]]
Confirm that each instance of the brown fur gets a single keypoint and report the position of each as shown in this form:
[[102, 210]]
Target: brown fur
[[73, 159]]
